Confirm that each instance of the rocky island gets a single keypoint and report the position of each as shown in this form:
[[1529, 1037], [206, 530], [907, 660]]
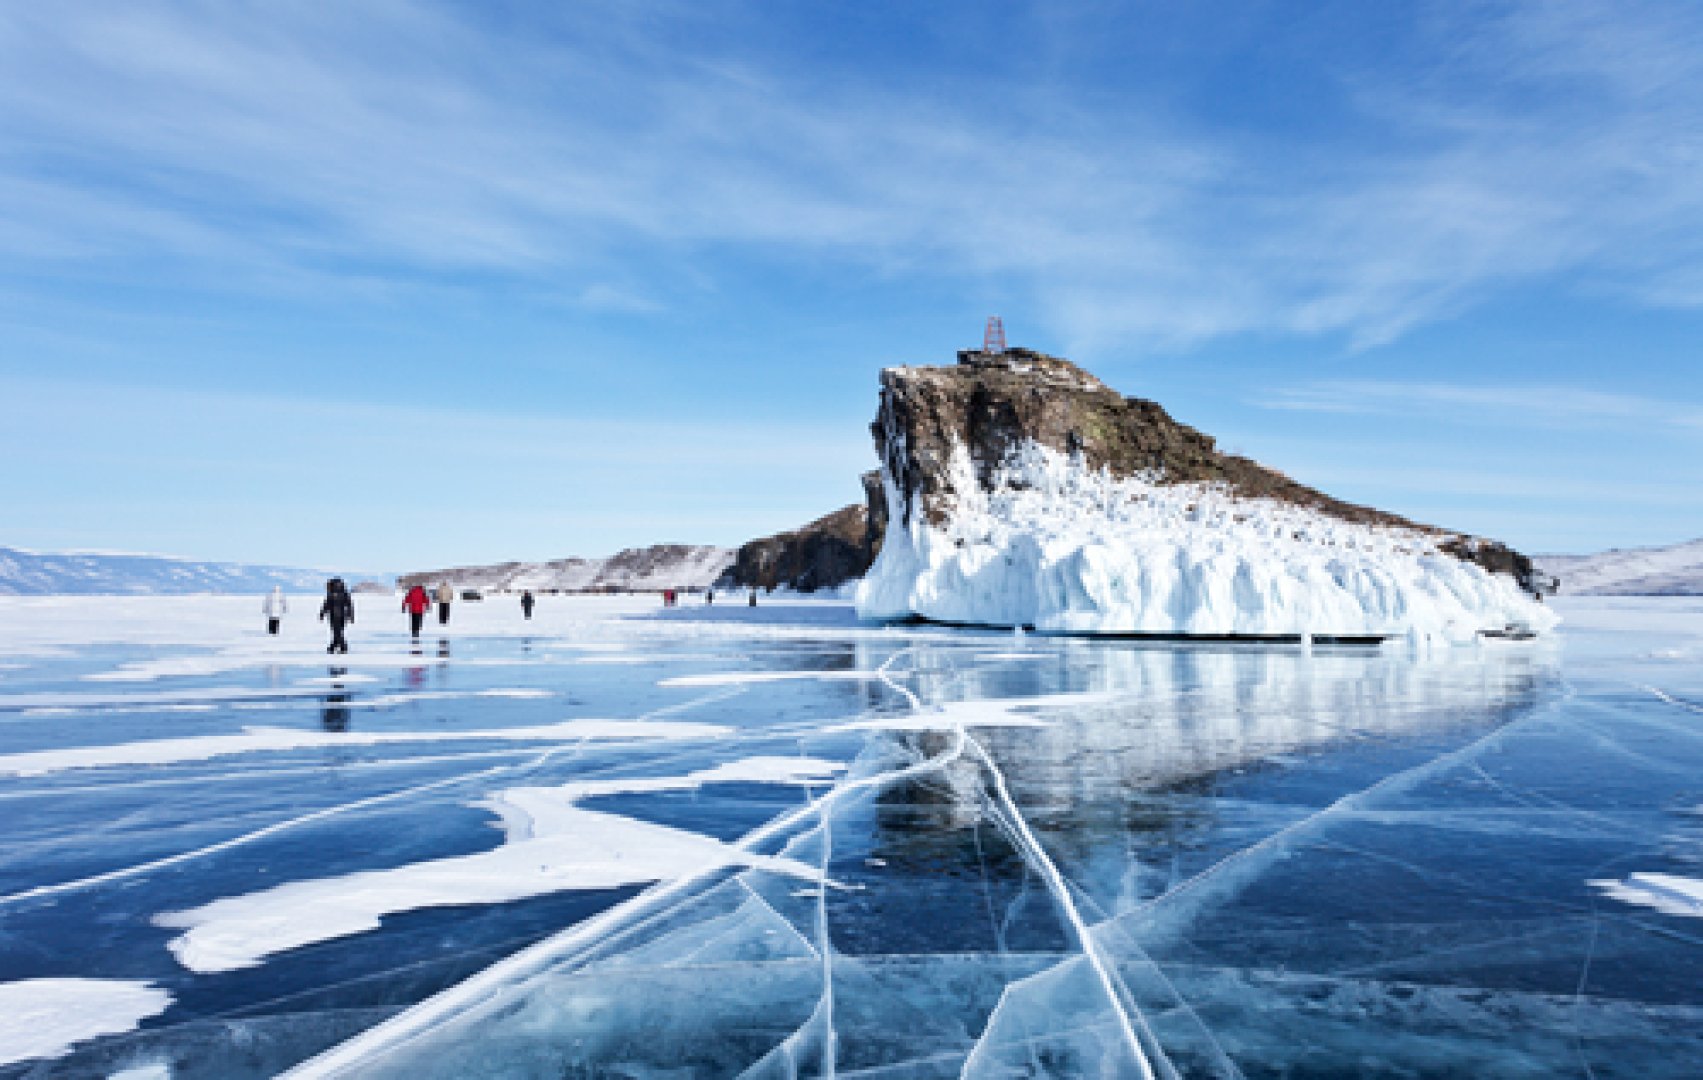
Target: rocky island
[[1022, 491], [1017, 489]]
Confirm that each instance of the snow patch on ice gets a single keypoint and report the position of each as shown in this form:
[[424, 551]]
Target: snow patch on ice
[[68, 699], [752, 770], [44, 1018], [233, 660], [257, 739], [979, 713], [1064, 548], [406, 697], [740, 678], [1669, 894], [1674, 654], [550, 845]]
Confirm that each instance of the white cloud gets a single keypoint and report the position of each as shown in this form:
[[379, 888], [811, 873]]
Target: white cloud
[[1506, 405], [609, 298], [397, 141]]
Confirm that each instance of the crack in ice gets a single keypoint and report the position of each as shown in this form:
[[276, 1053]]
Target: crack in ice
[[1256, 856], [487, 987], [1048, 871]]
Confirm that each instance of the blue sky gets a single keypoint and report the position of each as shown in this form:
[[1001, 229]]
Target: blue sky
[[395, 284]]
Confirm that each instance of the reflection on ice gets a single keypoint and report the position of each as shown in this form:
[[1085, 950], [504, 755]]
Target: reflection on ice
[[1096, 728]]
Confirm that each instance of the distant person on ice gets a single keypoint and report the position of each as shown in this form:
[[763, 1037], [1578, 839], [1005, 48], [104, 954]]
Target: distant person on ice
[[274, 607], [445, 595], [338, 610], [526, 602], [416, 604]]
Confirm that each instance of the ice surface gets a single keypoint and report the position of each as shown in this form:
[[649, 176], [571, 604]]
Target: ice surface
[[62, 701], [43, 1018], [979, 855], [1057, 546], [258, 739], [743, 678], [550, 845]]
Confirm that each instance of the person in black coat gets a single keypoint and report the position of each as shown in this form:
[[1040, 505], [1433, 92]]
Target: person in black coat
[[526, 602], [338, 610]]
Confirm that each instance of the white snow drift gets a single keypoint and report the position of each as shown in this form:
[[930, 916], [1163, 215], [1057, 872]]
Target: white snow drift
[[550, 845], [44, 1018], [1670, 894], [274, 740], [1064, 548]]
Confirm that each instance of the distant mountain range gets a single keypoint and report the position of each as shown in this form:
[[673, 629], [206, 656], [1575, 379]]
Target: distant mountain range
[[661, 566], [1676, 570], [33, 573]]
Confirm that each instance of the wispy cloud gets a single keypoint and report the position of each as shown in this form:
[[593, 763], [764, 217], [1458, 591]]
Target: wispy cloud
[[1510, 405], [397, 141]]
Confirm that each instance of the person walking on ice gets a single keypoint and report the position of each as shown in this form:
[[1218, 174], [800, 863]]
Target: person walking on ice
[[526, 602], [445, 594], [416, 604], [274, 607], [338, 610]]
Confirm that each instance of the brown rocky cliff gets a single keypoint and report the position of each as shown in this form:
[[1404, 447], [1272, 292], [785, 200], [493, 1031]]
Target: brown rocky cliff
[[991, 403], [827, 552]]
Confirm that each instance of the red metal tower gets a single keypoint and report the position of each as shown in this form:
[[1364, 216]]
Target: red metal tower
[[994, 340]]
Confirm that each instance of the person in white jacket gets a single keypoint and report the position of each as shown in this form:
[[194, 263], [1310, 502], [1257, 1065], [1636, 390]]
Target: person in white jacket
[[274, 607]]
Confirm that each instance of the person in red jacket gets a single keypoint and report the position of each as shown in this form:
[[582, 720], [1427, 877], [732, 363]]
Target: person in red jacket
[[416, 604]]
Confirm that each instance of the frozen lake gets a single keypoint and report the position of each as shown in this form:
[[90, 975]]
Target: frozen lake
[[619, 841]]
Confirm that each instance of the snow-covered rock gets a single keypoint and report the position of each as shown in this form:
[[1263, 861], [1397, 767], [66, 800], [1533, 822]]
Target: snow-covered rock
[[1039, 497], [660, 566]]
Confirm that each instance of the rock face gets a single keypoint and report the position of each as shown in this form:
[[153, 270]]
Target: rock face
[[990, 404], [824, 554], [1024, 490]]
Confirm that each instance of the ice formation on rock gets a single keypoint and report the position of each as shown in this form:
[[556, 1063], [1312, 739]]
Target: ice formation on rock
[[1050, 542]]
